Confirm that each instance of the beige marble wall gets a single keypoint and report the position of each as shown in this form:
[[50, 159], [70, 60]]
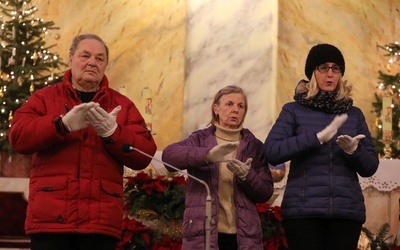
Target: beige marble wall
[[355, 27]]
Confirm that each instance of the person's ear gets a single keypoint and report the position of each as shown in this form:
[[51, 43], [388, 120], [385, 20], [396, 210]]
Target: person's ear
[[215, 109]]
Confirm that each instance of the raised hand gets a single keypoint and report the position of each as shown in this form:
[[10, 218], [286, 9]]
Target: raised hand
[[104, 123], [349, 144], [329, 131], [241, 169], [220, 152]]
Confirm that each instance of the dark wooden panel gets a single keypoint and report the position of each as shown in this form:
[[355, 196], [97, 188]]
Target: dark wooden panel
[[12, 220]]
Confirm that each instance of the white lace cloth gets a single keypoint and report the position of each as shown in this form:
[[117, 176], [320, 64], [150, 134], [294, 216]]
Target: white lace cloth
[[386, 178]]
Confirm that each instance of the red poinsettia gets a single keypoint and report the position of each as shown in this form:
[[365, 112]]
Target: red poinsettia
[[179, 180], [167, 244], [152, 186], [134, 230], [273, 233]]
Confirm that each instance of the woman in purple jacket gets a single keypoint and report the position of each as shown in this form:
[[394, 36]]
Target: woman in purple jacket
[[328, 143], [229, 159]]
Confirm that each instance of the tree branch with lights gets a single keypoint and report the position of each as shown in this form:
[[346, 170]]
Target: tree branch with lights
[[26, 62]]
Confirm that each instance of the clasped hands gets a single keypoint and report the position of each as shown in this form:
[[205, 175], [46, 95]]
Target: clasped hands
[[347, 143], [86, 114], [221, 152]]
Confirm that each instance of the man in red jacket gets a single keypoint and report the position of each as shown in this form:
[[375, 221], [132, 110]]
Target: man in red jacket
[[75, 130]]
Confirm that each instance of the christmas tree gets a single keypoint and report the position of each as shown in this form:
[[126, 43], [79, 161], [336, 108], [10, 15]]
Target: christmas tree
[[26, 63], [389, 86]]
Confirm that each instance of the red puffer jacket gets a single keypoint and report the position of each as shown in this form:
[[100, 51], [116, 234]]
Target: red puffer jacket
[[76, 178]]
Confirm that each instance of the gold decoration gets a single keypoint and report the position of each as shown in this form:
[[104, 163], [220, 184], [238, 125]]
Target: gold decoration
[[34, 57], [1, 92], [10, 116], [11, 61], [20, 80], [147, 215], [31, 88], [171, 228], [387, 150]]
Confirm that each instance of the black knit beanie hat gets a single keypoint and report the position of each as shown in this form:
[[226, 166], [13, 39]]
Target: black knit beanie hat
[[323, 53]]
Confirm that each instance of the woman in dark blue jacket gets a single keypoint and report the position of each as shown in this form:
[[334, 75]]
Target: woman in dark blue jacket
[[327, 142]]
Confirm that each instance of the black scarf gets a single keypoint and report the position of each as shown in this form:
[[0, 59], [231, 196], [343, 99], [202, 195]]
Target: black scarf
[[324, 101]]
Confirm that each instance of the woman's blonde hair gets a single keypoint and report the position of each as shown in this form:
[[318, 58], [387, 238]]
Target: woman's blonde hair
[[225, 91], [343, 90]]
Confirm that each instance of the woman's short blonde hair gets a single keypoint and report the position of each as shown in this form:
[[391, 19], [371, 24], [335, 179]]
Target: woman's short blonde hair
[[225, 91]]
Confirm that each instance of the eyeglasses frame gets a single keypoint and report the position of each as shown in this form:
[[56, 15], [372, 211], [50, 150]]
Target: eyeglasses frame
[[328, 68]]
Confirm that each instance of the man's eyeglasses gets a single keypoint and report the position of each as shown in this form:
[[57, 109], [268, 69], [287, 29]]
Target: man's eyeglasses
[[323, 68]]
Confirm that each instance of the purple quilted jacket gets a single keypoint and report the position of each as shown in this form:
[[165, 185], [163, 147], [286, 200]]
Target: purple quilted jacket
[[191, 154]]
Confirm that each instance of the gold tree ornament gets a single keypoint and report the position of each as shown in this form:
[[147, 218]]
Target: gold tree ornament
[[31, 88], [20, 80], [11, 61], [10, 116], [35, 57]]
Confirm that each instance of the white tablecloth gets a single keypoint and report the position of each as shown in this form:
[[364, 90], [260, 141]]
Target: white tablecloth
[[386, 178]]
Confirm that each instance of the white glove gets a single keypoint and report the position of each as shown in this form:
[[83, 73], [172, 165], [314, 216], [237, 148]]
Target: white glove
[[104, 123], [219, 153], [241, 169], [75, 119], [327, 133], [349, 144]]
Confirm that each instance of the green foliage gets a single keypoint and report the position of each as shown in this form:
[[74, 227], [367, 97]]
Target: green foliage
[[173, 209], [26, 63], [163, 196], [381, 240]]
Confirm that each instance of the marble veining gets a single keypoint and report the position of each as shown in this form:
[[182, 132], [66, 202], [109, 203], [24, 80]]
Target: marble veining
[[230, 42]]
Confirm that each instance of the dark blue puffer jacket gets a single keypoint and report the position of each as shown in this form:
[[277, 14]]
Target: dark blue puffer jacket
[[323, 180]]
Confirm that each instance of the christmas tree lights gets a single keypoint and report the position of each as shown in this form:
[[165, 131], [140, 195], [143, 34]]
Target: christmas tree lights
[[26, 62]]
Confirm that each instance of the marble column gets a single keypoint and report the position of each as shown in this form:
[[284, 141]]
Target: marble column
[[231, 42]]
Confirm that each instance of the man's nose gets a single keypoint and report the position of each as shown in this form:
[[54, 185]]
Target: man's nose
[[92, 62]]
